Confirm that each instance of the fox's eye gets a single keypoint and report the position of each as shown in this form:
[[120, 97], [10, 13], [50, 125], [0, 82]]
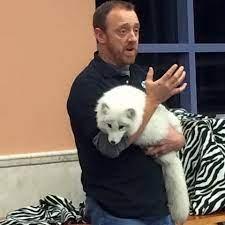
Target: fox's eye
[[109, 125], [121, 127]]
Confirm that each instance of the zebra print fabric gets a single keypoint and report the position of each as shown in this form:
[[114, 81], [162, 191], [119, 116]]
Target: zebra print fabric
[[203, 160], [52, 210]]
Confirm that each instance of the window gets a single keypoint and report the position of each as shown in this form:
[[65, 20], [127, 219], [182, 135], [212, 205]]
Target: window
[[191, 33], [210, 73], [209, 17], [157, 21]]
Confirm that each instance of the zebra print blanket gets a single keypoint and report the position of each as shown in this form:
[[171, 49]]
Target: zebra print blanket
[[52, 210], [203, 160]]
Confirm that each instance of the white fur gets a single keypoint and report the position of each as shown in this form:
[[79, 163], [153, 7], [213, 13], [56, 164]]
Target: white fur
[[120, 112]]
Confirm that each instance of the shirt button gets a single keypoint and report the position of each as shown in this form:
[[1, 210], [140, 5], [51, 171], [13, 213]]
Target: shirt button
[[127, 81]]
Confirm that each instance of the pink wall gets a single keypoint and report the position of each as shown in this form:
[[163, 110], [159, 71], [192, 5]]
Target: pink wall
[[43, 44]]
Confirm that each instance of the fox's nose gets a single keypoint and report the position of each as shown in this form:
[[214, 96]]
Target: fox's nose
[[113, 142]]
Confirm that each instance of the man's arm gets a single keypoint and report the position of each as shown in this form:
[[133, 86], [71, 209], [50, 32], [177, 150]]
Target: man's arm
[[171, 83], [173, 142]]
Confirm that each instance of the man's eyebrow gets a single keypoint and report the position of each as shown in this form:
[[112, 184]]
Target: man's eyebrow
[[137, 24], [127, 25]]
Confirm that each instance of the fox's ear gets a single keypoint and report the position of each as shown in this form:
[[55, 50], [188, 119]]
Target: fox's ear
[[104, 108], [130, 113]]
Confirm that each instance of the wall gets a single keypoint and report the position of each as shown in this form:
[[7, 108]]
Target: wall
[[27, 178], [43, 45]]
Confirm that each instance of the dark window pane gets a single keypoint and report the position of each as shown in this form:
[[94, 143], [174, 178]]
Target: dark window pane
[[161, 63], [210, 76], [158, 19], [209, 21]]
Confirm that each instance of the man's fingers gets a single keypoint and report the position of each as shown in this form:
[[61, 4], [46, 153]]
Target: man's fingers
[[179, 89], [169, 72], [182, 88], [150, 150], [150, 74], [180, 79], [154, 150], [177, 75], [157, 150]]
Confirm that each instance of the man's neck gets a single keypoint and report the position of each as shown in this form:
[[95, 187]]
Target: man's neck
[[106, 59], [124, 69], [109, 60]]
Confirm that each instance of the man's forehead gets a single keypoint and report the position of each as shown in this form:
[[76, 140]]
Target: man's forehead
[[122, 17]]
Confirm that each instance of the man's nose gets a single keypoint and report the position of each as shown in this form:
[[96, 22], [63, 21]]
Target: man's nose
[[133, 36]]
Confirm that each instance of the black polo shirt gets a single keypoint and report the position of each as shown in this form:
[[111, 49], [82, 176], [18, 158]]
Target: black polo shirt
[[131, 185]]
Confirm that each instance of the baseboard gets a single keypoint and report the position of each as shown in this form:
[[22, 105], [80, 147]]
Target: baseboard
[[38, 158]]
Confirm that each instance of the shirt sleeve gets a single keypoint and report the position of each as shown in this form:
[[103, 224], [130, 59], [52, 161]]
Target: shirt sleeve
[[112, 151]]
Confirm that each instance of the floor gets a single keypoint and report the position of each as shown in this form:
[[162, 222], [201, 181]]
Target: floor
[[206, 220], [213, 219]]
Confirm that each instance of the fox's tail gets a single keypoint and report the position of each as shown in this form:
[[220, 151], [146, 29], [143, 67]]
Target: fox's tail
[[176, 188]]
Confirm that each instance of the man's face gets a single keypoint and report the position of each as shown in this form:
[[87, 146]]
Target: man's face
[[121, 36]]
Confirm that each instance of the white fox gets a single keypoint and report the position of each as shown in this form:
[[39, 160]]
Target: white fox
[[120, 112]]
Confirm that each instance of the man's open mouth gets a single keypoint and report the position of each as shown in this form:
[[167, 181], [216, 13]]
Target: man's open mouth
[[130, 49]]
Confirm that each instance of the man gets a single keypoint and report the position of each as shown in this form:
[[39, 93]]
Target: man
[[129, 188]]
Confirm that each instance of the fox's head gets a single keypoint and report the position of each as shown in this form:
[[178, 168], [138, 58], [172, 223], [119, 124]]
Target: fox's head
[[115, 122]]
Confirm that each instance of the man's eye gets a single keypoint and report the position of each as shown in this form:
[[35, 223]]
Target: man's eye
[[123, 31], [136, 30], [121, 127], [109, 125]]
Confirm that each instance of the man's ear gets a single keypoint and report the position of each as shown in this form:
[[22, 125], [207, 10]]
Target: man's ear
[[104, 109], [130, 113], [100, 35]]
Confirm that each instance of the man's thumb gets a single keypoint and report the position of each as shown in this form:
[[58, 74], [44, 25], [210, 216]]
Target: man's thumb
[[150, 74]]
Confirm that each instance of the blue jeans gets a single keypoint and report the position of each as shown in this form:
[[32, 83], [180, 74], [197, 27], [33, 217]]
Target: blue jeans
[[100, 217]]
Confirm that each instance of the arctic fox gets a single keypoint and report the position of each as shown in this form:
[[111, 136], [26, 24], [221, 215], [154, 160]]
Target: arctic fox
[[120, 112]]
